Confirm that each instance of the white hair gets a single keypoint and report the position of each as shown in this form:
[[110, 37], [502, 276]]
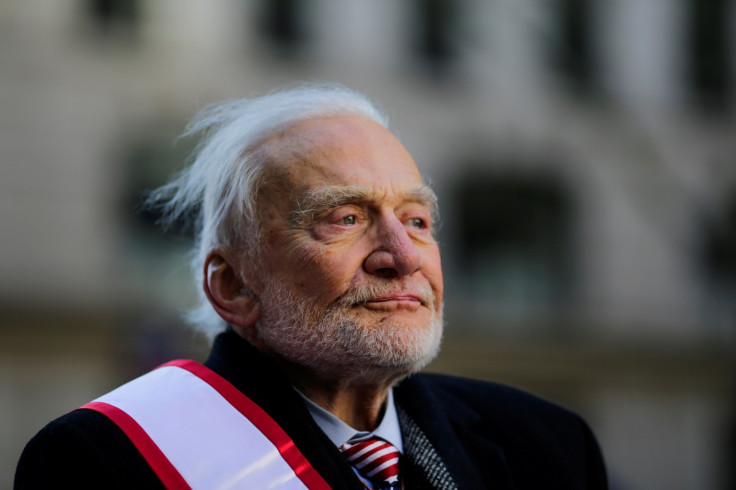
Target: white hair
[[218, 189]]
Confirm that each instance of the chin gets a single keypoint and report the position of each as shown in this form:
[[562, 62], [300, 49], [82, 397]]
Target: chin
[[339, 344], [348, 350], [403, 346]]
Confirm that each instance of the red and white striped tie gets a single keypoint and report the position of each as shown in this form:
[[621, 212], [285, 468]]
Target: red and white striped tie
[[376, 460]]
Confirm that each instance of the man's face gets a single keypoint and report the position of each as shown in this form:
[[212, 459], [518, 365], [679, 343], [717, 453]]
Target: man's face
[[350, 273]]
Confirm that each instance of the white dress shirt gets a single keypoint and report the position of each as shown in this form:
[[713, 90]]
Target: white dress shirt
[[339, 432]]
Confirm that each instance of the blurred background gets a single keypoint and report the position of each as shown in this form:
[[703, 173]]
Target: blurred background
[[583, 151]]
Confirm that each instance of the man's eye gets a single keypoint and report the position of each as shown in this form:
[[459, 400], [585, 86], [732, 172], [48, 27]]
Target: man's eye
[[349, 220], [418, 223]]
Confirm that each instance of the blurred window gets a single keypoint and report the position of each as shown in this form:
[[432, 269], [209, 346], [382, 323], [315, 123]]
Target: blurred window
[[720, 267], [150, 161], [514, 240], [154, 261], [435, 32], [572, 53], [283, 24], [709, 56], [114, 17]]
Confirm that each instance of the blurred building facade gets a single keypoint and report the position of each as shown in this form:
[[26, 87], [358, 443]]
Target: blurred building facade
[[583, 152]]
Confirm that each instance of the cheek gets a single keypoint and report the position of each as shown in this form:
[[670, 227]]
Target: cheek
[[433, 270], [319, 270]]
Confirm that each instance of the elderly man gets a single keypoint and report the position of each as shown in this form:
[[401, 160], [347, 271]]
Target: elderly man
[[322, 283]]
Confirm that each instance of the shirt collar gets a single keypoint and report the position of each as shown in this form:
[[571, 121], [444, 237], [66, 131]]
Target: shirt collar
[[339, 432]]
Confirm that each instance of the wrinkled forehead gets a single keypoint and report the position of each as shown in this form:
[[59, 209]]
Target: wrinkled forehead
[[338, 151], [321, 137]]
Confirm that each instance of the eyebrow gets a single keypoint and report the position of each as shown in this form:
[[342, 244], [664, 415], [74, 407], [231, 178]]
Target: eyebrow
[[321, 199]]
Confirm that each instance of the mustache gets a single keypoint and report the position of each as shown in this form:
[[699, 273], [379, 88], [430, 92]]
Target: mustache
[[361, 293]]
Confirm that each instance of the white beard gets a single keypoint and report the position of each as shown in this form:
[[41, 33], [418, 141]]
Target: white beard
[[336, 344]]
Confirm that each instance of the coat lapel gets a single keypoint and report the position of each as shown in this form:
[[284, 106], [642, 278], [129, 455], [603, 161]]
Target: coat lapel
[[443, 441], [423, 464]]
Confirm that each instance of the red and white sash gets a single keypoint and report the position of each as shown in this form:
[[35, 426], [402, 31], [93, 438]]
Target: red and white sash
[[196, 430]]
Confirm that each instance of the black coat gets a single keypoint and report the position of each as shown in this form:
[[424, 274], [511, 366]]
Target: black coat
[[456, 431]]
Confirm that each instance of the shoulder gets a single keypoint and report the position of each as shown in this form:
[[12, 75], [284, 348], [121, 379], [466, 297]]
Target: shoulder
[[82, 449], [538, 438], [502, 410], [486, 397]]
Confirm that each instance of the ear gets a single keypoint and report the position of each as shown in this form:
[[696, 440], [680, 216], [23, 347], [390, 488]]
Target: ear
[[228, 292]]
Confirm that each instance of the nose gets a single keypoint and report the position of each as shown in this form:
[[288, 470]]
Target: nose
[[396, 255]]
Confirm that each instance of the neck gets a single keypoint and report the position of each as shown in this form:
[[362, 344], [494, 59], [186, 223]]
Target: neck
[[358, 403], [361, 408]]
